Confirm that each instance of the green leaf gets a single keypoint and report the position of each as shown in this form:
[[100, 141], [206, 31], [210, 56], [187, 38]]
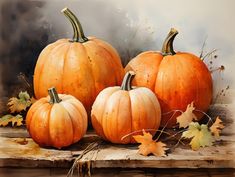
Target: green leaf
[[24, 95], [200, 134], [14, 120]]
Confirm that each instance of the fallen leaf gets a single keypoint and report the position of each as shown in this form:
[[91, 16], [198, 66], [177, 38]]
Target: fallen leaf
[[216, 127], [200, 135], [149, 146], [186, 117], [19, 104], [14, 120]]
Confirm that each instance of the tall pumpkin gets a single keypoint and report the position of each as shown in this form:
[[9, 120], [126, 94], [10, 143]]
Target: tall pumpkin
[[77, 66], [119, 111], [177, 78]]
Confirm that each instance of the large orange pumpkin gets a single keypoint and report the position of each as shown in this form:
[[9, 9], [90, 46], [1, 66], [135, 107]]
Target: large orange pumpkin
[[177, 78], [119, 111], [78, 67], [57, 120]]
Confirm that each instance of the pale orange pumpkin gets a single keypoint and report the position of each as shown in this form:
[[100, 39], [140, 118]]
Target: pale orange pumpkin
[[57, 120], [177, 78], [119, 111], [78, 67]]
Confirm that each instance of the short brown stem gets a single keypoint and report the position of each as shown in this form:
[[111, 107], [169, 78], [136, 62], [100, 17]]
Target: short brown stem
[[167, 48], [126, 83], [54, 98]]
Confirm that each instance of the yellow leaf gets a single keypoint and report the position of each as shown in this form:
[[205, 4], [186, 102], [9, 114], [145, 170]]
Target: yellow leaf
[[186, 117], [149, 146], [17, 120], [19, 104], [216, 127], [200, 135], [14, 120], [5, 120]]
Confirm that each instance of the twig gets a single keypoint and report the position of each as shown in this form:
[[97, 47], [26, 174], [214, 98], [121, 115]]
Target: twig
[[166, 124], [89, 148], [209, 53], [203, 46], [210, 119], [22, 77], [137, 131]]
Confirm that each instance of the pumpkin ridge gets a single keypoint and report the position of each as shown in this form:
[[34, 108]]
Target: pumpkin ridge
[[93, 94], [79, 111], [34, 118], [156, 122], [105, 45], [154, 85], [130, 114], [114, 54], [111, 61], [91, 68], [65, 59], [55, 140], [131, 98], [28, 116], [144, 102], [105, 118], [42, 69], [104, 105], [37, 83], [70, 118]]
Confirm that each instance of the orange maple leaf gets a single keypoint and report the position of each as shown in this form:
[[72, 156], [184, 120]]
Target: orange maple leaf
[[216, 127], [186, 117], [149, 146]]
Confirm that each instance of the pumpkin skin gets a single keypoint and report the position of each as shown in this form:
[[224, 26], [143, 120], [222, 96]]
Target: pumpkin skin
[[119, 111], [57, 123], [78, 67], [177, 78]]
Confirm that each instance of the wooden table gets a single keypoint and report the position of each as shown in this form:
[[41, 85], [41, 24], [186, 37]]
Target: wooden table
[[20, 156]]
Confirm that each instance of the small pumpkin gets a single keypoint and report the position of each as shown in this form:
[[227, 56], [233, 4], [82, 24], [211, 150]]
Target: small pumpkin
[[57, 120], [177, 78], [78, 67], [119, 111]]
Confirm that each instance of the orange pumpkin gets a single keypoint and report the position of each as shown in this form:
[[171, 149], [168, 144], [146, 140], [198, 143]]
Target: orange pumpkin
[[119, 111], [78, 67], [177, 78], [56, 120]]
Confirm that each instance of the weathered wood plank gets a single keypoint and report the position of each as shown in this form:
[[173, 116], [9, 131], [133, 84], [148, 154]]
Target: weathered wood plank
[[14, 132], [61, 172], [23, 152]]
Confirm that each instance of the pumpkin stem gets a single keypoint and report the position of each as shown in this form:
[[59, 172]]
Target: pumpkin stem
[[78, 34], [167, 48], [54, 98], [126, 83]]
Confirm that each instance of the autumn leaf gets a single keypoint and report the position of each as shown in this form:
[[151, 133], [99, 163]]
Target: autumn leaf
[[149, 146], [14, 120], [200, 135], [216, 127], [19, 104], [186, 117]]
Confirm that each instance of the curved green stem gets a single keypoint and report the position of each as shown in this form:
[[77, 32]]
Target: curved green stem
[[78, 34], [167, 48], [54, 98], [126, 83]]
